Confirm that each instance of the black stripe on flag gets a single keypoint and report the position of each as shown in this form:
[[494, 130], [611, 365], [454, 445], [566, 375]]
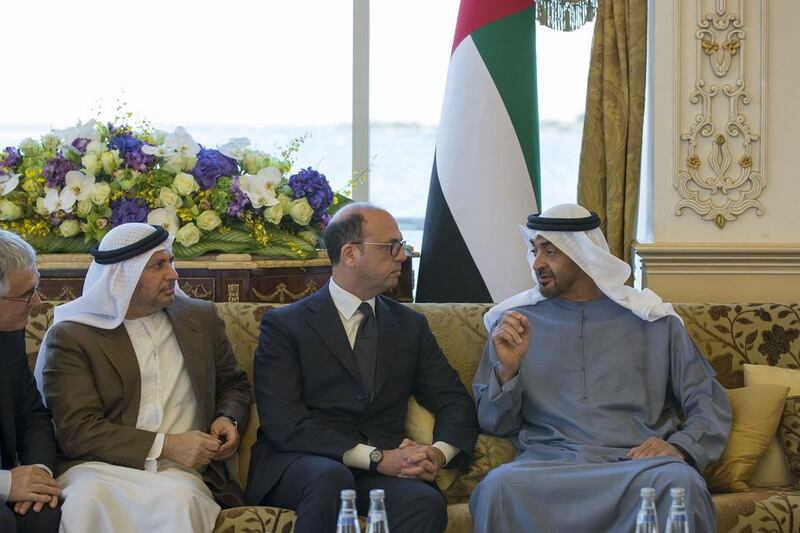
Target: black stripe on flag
[[447, 272]]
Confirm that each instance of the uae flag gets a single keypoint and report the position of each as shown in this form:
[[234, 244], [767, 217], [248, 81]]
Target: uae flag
[[485, 178]]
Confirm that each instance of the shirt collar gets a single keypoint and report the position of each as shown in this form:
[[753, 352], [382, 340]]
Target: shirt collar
[[345, 302]]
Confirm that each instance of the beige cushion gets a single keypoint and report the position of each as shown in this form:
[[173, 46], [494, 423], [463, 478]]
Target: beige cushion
[[756, 413], [773, 468], [764, 374]]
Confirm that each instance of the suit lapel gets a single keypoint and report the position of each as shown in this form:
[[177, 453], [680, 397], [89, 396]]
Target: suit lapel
[[387, 341], [325, 321], [116, 344], [189, 334]]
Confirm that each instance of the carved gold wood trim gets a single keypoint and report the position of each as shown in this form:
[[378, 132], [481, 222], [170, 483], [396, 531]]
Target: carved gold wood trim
[[233, 292], [720, 178], [195, 290], [281, 292]]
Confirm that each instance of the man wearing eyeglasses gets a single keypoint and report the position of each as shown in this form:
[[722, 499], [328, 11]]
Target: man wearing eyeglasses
[[27, 442], [333, 375]]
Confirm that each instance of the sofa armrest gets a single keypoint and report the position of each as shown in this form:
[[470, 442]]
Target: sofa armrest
[[490, 452]]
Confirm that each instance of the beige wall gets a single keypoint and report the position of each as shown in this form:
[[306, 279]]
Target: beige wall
[[755, 254]]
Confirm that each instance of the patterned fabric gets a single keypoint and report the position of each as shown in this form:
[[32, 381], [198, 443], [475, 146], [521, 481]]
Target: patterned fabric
[[774, 511], [789, 432], [261, 519], [727, 335], [732, 335]]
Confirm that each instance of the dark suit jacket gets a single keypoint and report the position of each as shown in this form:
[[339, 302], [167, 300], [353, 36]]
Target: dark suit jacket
[[26, 431], [92, 384], [311, 400]]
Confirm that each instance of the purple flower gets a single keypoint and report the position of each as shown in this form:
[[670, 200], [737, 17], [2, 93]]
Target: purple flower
[[310, 184], [56, 170], [212, 165], [128, 210], [11, 160], [80, 144], [130, 148], [240, 200]]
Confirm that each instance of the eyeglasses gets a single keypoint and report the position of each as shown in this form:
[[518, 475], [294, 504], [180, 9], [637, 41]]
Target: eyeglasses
[[25, 299], [394, 246]]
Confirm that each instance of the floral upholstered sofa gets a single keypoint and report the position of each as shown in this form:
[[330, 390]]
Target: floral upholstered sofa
[[729, 336]]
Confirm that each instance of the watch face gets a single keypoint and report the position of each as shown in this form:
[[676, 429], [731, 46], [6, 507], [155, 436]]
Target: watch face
[[376, 455]]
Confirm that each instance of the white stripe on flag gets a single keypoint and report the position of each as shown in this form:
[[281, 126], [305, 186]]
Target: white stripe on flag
[[483, 174]]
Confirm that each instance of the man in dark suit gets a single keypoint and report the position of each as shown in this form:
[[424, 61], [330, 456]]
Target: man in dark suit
[[333, 374], [27, 444], [145, 392]]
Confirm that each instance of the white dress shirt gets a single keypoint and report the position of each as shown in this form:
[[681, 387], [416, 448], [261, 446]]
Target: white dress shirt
[[347, 306], [167, 403]]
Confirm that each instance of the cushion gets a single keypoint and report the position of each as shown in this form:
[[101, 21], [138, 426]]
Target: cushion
[[762, 374], [773, 469], [756, 413], [789, 433]]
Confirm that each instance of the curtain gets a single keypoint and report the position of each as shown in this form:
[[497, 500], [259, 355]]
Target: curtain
[[608, 179]]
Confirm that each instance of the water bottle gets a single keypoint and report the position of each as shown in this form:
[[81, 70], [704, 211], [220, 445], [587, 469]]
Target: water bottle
[[678, 521], [646, 520], [348, 517], [376, 520]]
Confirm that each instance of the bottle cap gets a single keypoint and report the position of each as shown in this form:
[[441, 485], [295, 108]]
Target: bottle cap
[[376, 494], [677, 492], [348, 494], [647, 491]]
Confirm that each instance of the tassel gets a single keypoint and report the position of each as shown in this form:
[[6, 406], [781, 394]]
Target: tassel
[[565, 15]]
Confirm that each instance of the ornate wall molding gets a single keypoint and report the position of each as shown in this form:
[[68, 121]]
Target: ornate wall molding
[[721, 157]]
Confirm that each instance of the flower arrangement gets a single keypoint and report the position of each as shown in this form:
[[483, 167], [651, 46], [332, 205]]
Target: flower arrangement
[[63, 192]]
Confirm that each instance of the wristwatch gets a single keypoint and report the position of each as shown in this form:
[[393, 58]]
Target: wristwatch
[[375, 457], [231, 418]]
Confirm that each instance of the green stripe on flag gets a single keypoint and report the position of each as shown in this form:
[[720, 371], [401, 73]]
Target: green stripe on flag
[[508, 48]]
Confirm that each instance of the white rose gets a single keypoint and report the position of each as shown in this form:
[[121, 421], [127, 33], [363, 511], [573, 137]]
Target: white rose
[[274, 214], [91, 164], [101, 193], [69, 228], [184, 184], [285, 202], [9, 210], [95, 147], [301, 212], [40, 208], [208, 220], [84, 208], [110, 160], [169, 199], [253, 160], [166, 218], [188, 235]]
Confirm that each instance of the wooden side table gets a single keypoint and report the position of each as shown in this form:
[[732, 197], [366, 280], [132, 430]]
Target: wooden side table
[[219, 278]]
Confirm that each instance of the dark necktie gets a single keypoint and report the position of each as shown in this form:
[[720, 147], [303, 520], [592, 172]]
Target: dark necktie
[[366, 348]]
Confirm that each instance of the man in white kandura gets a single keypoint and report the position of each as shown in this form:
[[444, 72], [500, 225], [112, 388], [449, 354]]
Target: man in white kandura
[[600, 387], [145, 393]]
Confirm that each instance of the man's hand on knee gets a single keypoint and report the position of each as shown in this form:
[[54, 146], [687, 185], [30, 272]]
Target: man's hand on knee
[[31, 485], [655, 447], [192, 449]]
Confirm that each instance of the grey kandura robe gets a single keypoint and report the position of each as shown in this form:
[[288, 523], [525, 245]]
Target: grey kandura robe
[[597, 381]]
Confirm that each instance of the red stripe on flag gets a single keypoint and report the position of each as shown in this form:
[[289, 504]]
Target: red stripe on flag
[[473, 14]]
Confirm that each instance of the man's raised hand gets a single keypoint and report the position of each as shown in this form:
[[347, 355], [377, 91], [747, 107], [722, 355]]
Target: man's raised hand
[[511, 338]]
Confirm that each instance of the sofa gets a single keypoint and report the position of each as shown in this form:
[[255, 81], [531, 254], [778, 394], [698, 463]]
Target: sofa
[[729, 336]]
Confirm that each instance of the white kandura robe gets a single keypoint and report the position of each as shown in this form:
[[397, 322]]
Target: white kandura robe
[[164, 497], [597, 380]]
